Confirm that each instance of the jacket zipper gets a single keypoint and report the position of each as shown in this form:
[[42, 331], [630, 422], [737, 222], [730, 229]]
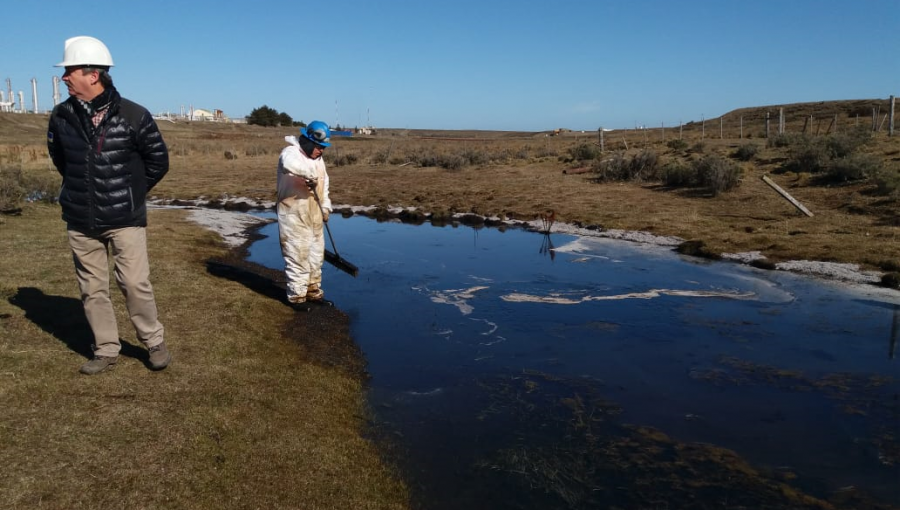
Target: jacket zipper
[[100, 141]]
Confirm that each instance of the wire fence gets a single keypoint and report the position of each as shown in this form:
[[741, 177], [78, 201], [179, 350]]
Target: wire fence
[[813, 119]]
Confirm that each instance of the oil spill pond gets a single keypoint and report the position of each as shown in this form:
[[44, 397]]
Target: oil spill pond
[[514, 370]]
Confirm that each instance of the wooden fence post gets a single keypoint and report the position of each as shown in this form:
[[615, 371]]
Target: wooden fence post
[[891, 125], [767, 124]]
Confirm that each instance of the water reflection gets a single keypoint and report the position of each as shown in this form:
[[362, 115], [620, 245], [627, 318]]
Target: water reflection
[[895, 329], [615, 374]]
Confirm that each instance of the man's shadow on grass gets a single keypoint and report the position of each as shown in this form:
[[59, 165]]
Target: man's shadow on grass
[[262, 280], [63, 317]]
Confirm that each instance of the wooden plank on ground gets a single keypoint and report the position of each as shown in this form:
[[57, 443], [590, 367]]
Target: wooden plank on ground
[[786, 195]]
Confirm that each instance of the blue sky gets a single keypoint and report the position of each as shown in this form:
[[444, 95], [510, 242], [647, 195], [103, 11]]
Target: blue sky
[[494, 65]]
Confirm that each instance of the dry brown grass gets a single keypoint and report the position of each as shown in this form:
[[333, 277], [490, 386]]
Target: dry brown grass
[[243, 418], [247, 418], [520, 175]]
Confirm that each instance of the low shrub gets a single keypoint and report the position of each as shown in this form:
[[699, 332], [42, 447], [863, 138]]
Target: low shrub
[[584, 152], [887, 181], [836, 155], [343, 159], [678, 174], [677, 144], [17, 186], [12, 191], [450, 162], [379, 158], [640, 167], [718, 174], [546, 152], [645, 165], [611, 169], [841, 145], [781, 140], [746, 152], [854, 167], [808, 156], [475, 157], [42, 186]]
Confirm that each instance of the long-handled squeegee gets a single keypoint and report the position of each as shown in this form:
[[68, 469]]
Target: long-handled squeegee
[[335, 258]]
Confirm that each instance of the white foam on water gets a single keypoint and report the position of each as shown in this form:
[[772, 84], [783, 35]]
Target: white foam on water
[[559, 299], [457, 297]]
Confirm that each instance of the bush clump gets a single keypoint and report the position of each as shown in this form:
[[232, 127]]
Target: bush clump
[[746, 152], [678, 174], [584, 152], [475, 157], [677, 144], [17, 186], [853, 167], [449, 162], [842, 145], [787, 140], [640, 167], [712, 172], [718, 174], [343, 159], [887, 181], [837, 157], [12, 192], [808, 156]]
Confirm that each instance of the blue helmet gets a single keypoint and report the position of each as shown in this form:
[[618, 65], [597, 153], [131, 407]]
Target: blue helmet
[[317, 132]]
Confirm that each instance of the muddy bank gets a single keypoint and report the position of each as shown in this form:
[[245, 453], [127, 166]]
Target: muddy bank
[[231, 220], [322, 332]]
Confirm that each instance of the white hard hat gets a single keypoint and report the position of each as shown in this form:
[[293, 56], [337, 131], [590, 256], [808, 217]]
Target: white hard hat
[[85, 51]]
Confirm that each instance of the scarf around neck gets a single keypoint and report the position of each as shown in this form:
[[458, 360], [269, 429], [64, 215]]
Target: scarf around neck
[[95, 109]]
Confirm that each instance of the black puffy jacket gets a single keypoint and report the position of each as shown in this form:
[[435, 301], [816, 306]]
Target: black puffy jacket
[[108, 172]]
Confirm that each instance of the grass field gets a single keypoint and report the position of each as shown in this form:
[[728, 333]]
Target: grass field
[[256, 410], [252, 413]]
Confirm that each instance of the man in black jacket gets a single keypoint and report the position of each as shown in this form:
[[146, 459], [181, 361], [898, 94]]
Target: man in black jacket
[[110, 153]]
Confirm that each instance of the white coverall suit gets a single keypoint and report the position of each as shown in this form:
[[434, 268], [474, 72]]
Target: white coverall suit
[[300, 222]]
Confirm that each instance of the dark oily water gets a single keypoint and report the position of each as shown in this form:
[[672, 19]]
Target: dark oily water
[[515, 370]]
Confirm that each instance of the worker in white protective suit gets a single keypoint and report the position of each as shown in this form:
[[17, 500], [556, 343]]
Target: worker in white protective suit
[[303, 207]]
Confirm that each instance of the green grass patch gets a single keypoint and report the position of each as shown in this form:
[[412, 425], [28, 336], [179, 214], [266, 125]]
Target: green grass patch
[[245, 417]]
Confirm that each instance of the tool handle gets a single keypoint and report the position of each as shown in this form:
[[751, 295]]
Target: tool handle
[[319, 202]]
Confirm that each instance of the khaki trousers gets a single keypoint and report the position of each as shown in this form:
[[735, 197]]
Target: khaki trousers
[[90, 251]]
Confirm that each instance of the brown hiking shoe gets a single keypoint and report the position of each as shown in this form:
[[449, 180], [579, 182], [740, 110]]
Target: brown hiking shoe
[[159, 357], [99, 364], [314, 293]]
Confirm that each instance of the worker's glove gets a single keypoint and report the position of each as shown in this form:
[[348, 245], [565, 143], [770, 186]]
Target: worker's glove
[[325, 216]]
